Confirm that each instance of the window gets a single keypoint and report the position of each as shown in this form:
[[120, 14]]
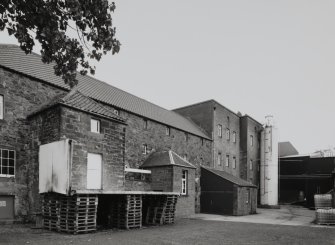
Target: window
[[185, 157], [251, 164], [220, 130], [251, 140], [145, 123], [186, 137], [247, 196], [116, 112], [219, 159], [2, 107], [234, 137], [227, 160], [167, 131], [95, 126], [234, 162], [145, 149], [7, 163], [184, 182], [227, 134]]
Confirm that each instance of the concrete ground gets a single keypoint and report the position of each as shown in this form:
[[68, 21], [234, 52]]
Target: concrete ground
[[286, 215], [200, 229]]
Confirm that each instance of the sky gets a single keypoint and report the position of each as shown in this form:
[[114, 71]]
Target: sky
[[261, 57]]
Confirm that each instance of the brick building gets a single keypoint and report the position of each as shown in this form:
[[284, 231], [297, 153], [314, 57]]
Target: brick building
[[26, 83]]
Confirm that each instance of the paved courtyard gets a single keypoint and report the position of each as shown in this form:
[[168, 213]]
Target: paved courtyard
[[200, 229]]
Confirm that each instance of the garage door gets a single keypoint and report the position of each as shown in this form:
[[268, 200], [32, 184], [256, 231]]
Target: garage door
[[6, 207]]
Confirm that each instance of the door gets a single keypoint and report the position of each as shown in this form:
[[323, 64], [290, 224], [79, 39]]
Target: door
[[6, 207], [94, 171]]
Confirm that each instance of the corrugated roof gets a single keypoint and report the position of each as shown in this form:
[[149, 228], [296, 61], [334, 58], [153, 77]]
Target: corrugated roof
[[76, 99], [166, 158], [12, 57], [230, 178]]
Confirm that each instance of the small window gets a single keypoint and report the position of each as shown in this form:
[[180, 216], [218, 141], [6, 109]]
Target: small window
[[95, 126], [227, 134], [219, 159], [234, 162], [184, 182], [7, 163], [186, 137], [145, 149], [167, 131], [2, 107], [227, 160], [251, 140], [228, 120], [220, 130], [145, 123], [247, 197], [234, 137], [251, 164]]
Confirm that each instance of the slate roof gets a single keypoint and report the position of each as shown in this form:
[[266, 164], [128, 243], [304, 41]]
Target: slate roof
[[230, 178], [77, 100], [13, 58], [286, 149], [166, 158]]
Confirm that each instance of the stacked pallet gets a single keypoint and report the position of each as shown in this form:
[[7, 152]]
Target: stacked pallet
[[50, 210], [126, 212], [160, 209], [325, 214], [71, 214]]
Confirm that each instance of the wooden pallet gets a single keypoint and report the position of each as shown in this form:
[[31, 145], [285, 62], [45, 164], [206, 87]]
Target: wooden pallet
[[71, 214]]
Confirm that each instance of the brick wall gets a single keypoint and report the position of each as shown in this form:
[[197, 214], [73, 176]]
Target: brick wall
[[21, 95], [228, 120], [187, 204], [250, 127], [245, 202]]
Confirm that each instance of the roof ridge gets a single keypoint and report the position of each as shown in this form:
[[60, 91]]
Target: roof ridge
[[182, 158]]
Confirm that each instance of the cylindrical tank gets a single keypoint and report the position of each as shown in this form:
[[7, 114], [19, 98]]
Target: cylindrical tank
[[269, 164]]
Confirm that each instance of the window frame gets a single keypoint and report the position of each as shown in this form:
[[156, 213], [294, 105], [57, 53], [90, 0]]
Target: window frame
[[219, 130], [218, 159], [251, 140], [8, 158], [167, 131], [98, 125], [2, 107], [227, 160], [184, 184], [234, 136], [145, 123], [227, 134], [251, 164], [144, 149], [234, 162]]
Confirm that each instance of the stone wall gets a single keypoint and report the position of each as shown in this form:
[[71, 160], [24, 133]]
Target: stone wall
[[21, 96], [245, 202], [109, 143], [44, 129]]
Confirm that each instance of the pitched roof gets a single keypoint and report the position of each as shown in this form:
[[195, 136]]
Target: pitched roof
[[12, 57], [77, 100], [286, 149], [230, 178], [166, 158]]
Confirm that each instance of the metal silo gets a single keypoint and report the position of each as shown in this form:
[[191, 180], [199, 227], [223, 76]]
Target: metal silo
[[269, 164]]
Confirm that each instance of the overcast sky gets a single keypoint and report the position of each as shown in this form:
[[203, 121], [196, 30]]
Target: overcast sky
[[257, 57]]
